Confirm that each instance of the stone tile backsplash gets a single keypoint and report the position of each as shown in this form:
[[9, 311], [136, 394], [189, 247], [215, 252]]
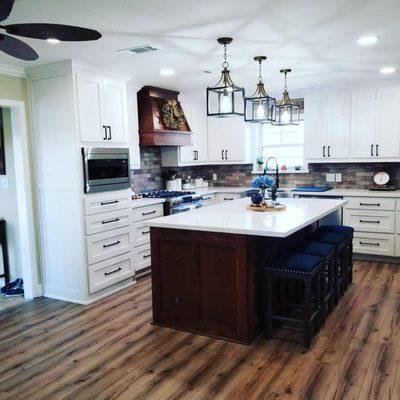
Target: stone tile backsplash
[[354, 175]]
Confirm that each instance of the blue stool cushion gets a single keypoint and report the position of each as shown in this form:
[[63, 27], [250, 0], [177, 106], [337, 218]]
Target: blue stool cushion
[[296, 262], [328, 237], [344, 230], [319, 249]]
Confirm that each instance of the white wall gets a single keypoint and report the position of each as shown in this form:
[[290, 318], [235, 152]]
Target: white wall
[[8, 201]]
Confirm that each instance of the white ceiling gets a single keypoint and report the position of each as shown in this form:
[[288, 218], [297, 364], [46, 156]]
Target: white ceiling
[[316, 38]]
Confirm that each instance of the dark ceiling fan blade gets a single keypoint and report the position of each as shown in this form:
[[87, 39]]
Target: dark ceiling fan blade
[[66, 33], [5, 8], [16, 48]]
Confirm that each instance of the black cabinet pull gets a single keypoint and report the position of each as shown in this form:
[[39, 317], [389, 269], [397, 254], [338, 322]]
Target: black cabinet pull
[[197, 155], [148, 213], [370, 204], [112, 272], [222, 153], [105, 132], [369, 222], [109, 132], [111, 244], [110, 221], [372, 149], [105, 203], [147, 256], [323, 151], [145, 232], [377, 150], [228, 198], [369, 244], [226, 154], [329, 151]]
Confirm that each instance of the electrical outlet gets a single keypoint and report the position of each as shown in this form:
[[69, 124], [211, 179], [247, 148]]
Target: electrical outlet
[[215, 177], [330, 177], [339, 177]]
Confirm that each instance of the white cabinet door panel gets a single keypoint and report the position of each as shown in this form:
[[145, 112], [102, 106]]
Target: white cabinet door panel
[[339, 125], [363, 126]]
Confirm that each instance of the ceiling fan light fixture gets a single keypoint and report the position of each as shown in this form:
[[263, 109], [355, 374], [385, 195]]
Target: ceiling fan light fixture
[[259, 107], [287, 113], [225, 99]]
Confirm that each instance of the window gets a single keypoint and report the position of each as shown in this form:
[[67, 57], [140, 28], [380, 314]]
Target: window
[[285, 143]]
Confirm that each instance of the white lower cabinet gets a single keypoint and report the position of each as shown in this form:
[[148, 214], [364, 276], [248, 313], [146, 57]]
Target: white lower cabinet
[[374, 222], [109, 272], [141, 236]]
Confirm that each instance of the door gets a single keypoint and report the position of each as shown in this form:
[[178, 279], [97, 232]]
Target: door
[[216, 128], [315, 127], [339, 125], [363, 123], [90, 108], [115, 110], [388, 123]]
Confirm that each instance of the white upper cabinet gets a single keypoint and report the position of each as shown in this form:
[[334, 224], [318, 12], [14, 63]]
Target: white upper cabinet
[[226, 140], [133, 127], [90, 108], [363, 123], [102, 109], [338, 126], [315, 126], [388, 123]]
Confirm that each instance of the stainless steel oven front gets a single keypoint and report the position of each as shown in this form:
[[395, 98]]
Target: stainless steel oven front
[[105, 169]]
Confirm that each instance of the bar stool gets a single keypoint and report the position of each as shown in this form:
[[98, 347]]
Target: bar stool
[[305, 269], [327, 252], [340, 270], [348, 231]]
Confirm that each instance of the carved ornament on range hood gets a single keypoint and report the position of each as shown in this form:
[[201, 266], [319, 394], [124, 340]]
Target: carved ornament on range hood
[[162, 121]]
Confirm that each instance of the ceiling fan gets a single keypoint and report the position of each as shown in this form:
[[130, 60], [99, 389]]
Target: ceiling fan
[[52, 32]]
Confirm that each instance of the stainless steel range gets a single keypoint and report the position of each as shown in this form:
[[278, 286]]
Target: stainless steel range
[[177, 202]]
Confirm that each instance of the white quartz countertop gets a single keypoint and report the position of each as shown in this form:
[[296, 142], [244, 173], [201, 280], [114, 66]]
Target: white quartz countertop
[[352, 193], [221, 189], [233, 217], [136, 203]]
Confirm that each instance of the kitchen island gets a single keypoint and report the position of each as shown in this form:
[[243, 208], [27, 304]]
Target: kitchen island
[[207, 265]]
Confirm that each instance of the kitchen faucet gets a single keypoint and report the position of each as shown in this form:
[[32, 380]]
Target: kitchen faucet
[[276, 170]]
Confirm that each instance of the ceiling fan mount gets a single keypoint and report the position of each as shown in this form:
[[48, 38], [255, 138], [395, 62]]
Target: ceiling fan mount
[[56, 32]]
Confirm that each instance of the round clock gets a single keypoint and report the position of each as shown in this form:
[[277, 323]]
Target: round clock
[[381, 178]]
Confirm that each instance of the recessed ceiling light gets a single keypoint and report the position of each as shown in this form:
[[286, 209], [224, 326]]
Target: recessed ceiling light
[[388, 70], [367, 40], [52, 41], [167, 71]]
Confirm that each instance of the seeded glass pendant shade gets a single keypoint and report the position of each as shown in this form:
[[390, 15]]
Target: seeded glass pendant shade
[[225, 98], [260, 107], [287, 113]]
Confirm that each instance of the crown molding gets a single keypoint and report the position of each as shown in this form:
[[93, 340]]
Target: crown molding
[[11, 70]]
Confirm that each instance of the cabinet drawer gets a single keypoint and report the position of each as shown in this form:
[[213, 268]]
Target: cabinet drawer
[[370, 203], [106, 273], [111, 220], [142, 213], [108, 244], [227, 196], [370, 221], [141, 234], [374, 243], [141, 257], [109, 201]]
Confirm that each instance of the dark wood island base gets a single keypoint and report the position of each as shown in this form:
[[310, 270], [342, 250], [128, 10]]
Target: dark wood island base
[[212, 283]]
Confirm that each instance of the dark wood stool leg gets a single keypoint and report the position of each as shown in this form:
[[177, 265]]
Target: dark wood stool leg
[[331, 283], [269, 316], [318, 303], [336, 291], [307, 313], [350, 261]]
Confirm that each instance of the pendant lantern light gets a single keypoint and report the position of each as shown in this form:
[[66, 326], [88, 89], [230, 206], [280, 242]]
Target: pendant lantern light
[[225, 98], [260, 107], [287, 113]]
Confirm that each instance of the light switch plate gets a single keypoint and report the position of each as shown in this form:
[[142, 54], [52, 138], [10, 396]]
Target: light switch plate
[[215, 177], [339, 177], [330, 177]]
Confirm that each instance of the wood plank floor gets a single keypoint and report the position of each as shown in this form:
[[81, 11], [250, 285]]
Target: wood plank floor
[[55, 350]]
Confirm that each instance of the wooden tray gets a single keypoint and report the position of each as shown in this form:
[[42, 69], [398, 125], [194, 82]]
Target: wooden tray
[[278, 207]]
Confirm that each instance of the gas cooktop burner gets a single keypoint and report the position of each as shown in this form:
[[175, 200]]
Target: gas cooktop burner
[[165, 194]]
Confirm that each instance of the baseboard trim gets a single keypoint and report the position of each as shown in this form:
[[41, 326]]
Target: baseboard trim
[[376, 258]]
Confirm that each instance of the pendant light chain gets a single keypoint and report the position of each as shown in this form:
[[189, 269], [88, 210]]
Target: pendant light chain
[[225, 64], [285, 87], [260, 72]]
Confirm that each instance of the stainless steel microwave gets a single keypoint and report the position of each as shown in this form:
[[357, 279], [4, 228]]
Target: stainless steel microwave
[[105, 169]]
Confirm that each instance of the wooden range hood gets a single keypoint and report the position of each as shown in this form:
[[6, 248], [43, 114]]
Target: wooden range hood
[[162, 121]]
